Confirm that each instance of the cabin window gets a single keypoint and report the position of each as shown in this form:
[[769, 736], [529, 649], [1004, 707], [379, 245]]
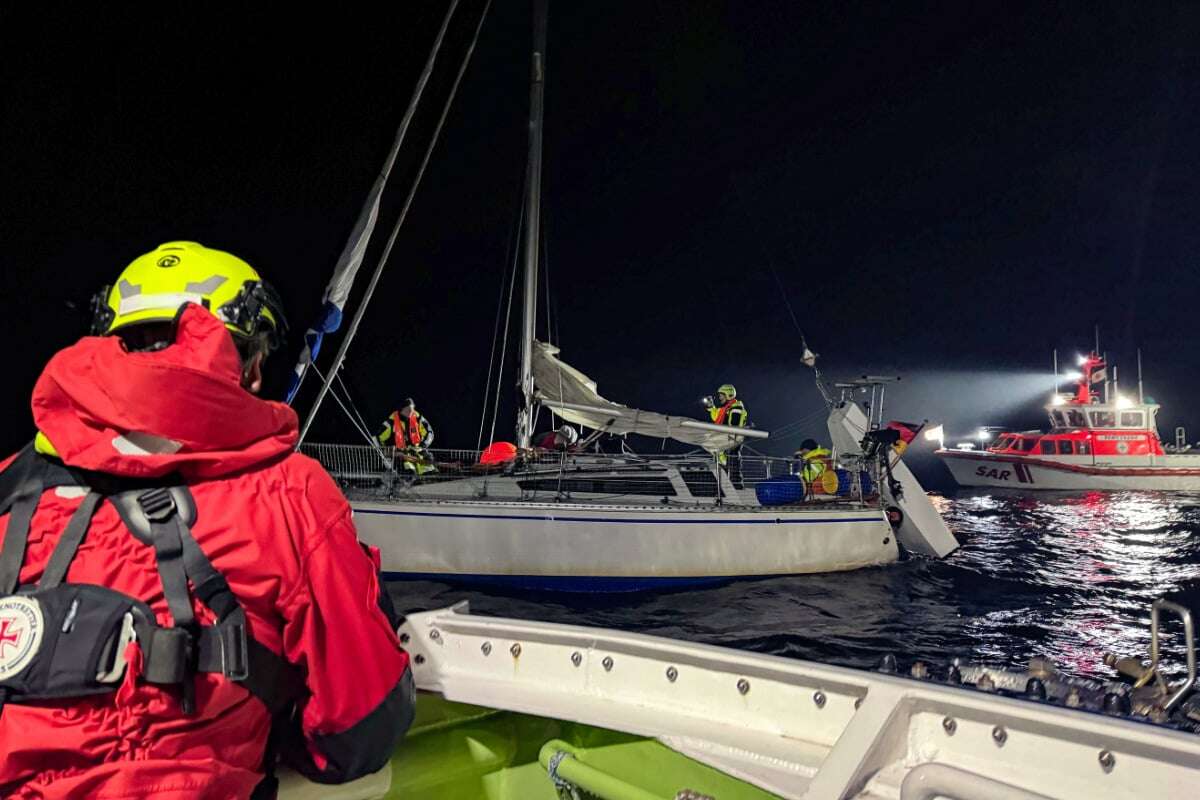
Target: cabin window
[[700, 482], [1103, 419], [654, 487], [1025, 445], [1058, 419], [1075, 419], [1001, 443], [1065, 447], [1133, 419], [1083, 448], [1047, 447]]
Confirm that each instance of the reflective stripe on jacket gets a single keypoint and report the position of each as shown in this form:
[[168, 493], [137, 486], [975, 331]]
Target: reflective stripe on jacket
[[814, 463], [414, 430], [270, 520], [732, 413]]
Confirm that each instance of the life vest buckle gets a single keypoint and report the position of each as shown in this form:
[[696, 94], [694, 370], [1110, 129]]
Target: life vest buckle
[[235, 651], [171, 655], [157, 504]]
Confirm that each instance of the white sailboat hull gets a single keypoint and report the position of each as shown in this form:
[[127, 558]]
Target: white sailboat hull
[[984, 469], [594, 547]]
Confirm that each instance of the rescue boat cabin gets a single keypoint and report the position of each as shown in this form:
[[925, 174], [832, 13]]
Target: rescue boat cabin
[[1084, 427]]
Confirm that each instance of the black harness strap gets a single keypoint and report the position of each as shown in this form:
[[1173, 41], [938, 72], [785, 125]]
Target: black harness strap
[[272, 679], [29, 465], [166, 531], [68, 543], [159, 515], [225, 647], [17, 535], [210, 585], [23, 466]]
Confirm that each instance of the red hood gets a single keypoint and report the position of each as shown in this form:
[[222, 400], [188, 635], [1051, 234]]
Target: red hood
[[146, 414]]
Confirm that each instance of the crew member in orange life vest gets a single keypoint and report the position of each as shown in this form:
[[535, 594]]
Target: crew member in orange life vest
[[726, 409], [411, 434]]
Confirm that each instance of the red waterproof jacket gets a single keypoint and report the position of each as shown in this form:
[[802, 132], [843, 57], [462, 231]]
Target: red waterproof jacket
[[270, 520]]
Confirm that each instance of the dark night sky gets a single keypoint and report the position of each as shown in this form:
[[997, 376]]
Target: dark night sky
[[954, 188]]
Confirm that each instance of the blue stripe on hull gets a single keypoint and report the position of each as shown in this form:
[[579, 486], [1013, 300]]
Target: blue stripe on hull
[[770, 520], [571, 583]]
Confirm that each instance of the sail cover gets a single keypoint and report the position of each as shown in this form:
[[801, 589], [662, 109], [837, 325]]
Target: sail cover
[[572, 396]]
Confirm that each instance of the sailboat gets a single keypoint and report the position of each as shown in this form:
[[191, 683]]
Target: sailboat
[[522, 710], [596, 521]]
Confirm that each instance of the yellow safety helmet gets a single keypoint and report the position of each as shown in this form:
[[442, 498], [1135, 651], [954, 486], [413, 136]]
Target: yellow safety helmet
[[728, 390], [157, 284]]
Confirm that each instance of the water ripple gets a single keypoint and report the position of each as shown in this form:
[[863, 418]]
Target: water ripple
[[1068, 576]]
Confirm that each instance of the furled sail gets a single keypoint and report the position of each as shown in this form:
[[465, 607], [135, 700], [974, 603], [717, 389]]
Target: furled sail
[[572, 396]]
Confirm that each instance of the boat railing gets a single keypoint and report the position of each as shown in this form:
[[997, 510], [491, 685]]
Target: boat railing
[[365, 471]]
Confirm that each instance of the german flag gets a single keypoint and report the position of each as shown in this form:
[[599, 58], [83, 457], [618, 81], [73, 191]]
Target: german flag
[[907, 430]]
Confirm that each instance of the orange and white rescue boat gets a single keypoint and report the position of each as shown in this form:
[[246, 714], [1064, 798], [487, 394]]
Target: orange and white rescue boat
[[1097, 440]]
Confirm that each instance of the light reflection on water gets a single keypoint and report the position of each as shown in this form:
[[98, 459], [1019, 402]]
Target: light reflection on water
[[1068, 576]]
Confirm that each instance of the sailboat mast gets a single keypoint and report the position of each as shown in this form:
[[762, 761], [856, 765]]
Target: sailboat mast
[[533, 201]]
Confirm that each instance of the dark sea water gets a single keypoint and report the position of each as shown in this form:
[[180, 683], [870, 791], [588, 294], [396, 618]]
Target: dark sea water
[[1067, 576]]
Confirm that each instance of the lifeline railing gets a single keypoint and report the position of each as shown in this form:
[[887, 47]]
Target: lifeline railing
[[365, 472]]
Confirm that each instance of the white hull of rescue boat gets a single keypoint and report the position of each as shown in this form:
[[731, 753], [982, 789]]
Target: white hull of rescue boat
[[795, 728], [595, 547], [1178, 473]]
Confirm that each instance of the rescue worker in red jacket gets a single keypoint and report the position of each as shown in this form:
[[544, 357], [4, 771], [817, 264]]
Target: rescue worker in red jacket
[[256, 611]]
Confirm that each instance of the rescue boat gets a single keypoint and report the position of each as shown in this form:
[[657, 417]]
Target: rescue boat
[[1098, 439], [520, 710]]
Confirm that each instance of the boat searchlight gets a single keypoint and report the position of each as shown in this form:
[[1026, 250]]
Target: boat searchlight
[[1124, 402], [1073, 375], [936, 434], [1058, 400]]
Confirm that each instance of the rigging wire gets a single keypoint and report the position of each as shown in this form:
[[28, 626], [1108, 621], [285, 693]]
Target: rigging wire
[[512, 283], [353, 405], [552, 333], [366, 434], [513, 230], [550, 339], [387, 250], [360, 429], [821, 387], [487, 385], [364, 226]]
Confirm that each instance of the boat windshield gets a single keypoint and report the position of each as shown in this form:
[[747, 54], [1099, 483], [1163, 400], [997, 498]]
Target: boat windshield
[[1075, 418], [1103, 419], [1133, 419]]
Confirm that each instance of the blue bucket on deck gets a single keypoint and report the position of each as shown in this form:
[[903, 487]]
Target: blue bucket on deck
[[840, 482], [780, 491]]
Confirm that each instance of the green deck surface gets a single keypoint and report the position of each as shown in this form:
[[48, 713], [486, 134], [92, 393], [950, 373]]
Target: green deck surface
[[461, 752]]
